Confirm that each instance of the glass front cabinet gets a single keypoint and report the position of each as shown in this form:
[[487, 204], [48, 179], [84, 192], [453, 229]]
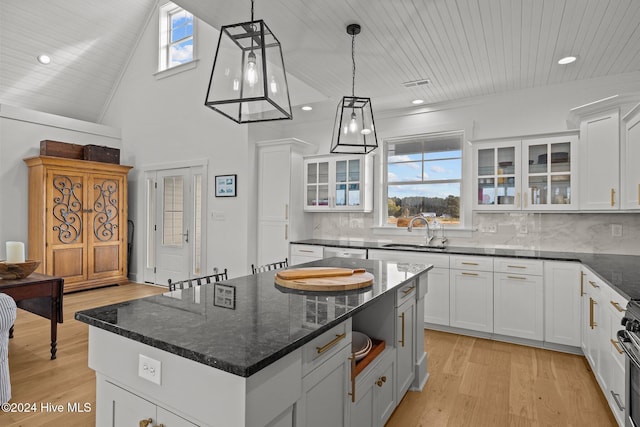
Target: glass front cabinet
[[526, 174], [338, 183]]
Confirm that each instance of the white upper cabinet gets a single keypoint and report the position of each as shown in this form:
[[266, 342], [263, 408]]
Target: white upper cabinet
[[630, 156], [338, 183], [600, 161], [526, 174]]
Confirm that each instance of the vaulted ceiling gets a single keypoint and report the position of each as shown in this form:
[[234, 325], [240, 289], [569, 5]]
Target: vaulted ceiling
[[466, 48]]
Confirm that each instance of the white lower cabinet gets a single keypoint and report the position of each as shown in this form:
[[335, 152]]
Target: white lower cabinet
[[119, 407], [323, 402], [616, 394], [375, 398], [299, 254], [405, 322], [562, 303], [518, 306], [471, 294]]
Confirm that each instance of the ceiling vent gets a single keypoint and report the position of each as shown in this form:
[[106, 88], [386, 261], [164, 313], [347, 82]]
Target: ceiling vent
[[415, 83]]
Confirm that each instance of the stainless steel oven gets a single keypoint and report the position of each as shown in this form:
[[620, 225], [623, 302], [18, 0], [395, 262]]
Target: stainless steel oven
[[629, 337]]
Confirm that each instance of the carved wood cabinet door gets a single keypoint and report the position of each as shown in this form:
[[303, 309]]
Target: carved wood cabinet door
[[66, 230]]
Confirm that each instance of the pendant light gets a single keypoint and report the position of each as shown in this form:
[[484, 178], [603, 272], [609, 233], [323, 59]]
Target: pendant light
[[353, 130], [248, 81]]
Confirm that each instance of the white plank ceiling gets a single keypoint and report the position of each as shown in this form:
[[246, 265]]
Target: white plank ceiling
[[467, 48]]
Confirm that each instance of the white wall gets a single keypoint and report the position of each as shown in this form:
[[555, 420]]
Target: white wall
[[165, 122], [21, 131]]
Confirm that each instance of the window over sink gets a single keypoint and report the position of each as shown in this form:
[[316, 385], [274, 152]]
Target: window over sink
[[424, 175]]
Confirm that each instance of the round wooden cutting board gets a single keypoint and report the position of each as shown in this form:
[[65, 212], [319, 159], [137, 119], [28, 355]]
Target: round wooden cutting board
[[338, 283]]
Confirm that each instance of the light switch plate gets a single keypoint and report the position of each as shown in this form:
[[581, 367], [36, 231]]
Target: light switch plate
[[149, 369]]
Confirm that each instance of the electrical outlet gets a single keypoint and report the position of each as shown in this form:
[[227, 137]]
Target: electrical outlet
[[616, 230], [492, 228], [523, 229], [149, 369]]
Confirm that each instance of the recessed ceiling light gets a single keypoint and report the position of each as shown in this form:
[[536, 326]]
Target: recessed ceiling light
[[417, 101], [307, 108], [44, 59], [566, 60]]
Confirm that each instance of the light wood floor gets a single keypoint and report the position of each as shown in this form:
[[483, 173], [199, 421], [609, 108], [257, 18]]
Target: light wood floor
[[473, 382]]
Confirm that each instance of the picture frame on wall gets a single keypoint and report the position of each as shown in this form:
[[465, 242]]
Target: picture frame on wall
[[226, 185]]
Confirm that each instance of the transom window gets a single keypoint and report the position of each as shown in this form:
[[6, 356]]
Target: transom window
[[424, 175], [176, 36]]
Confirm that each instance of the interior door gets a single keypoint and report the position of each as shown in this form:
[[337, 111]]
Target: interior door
[[173, 225]]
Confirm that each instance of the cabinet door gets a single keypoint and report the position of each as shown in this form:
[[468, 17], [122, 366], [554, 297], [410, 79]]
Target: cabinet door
[[405, 345], [347, 194], [497, 175], [562, 302], [471, 300], [273, 238], [517, 305], [274, 182], [386, 398], [66, 227], [119, 407], [548, 173], [630, 171], [436, 301], [316, 185], [106, 226], [591, 319], [326, 387], [600, 162]]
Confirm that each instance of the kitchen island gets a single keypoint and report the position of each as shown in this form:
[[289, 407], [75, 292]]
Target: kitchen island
[[246, 352]]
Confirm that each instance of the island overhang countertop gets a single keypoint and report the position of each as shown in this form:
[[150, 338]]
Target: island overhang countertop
[[244, 324]]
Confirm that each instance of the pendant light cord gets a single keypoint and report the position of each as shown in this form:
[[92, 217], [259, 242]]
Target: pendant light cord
[[251, 10], [353, 61]]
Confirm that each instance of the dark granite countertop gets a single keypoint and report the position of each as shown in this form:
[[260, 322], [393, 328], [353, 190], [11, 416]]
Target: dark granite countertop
[[264, 321], [622, 272]]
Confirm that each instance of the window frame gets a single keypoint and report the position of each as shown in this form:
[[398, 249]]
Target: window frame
[[165, 12], [464, 207]]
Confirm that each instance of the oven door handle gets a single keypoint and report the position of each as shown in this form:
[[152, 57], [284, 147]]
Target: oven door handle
[[625, 341]]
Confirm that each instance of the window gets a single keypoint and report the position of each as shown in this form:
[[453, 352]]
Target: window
[[424, 175], [176, 36]]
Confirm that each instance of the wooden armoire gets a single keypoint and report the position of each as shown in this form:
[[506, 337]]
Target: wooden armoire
[[78, 220]]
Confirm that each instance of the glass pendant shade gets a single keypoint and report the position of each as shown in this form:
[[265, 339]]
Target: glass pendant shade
[[248, 81], [353, 130]]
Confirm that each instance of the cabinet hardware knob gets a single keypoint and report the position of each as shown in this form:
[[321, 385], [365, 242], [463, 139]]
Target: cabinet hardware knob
[[331, 343], [145, 423], [383, 379], [617, 306], [379, 383]]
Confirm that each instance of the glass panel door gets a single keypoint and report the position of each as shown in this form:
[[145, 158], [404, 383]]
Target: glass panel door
[[347, 186], [548, 172], [496, 175], [317, 192]]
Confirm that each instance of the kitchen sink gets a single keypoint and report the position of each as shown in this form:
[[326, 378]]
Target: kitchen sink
[[414, 247]]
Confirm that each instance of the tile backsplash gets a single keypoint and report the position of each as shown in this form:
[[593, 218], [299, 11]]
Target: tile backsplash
[[571, 232]]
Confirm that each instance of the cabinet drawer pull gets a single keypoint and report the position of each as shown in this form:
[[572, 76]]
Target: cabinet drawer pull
[[331, 343], [470, 263], [286, 211], [408, 290], [305, 251], [617, 306], [517, 277], [616, 345], [592, 283], [464, 273], [592, 323], [639, 194], [581, 283], [353, 378], [402, 336], [516, 266], [616, 397], [613, 197]]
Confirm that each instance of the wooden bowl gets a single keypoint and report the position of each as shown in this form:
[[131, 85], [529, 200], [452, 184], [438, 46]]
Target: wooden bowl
[[18, 270]]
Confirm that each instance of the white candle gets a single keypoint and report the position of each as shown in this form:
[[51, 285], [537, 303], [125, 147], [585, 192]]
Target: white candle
[[15, 252]]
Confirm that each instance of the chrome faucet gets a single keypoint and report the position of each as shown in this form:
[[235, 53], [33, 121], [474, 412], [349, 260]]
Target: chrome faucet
[[421, 217]]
